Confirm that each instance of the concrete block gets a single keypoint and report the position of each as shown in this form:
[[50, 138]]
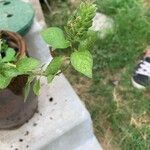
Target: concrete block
[[91, 144]]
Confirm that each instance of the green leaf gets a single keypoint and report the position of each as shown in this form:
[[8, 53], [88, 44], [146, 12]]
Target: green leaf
[[10, 55], [83, 45], [26, 64], [4, 81], [28, 87], [89, 42], [50, 78], [11, 72], [55, 37], [31, 78], [54, 66], [36, 87], [82, 61], [26, 91], [4, 46]]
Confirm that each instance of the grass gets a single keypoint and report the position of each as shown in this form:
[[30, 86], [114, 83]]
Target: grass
[[121, 113], [60, 10]]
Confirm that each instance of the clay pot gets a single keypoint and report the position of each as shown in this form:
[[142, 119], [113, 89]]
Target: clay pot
[[14, 112]]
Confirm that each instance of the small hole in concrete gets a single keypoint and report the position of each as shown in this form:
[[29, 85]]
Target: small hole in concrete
[[27, 146], [34, 124], [51, 99], [27, 132], [51, 118], [9, 15], [20, 140], [6, 3]]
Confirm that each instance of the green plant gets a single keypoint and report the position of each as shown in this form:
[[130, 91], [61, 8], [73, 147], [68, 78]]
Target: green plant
[[11, 65], [76, 33]]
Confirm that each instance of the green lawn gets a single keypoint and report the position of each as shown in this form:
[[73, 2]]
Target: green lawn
[[121, 113]]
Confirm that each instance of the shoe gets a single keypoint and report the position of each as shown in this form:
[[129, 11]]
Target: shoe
[[141, 76]]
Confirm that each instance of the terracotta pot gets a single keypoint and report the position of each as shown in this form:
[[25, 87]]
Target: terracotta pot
[[13, 110]]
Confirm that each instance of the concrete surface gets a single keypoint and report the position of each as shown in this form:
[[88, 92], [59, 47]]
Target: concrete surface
[[37, 48]]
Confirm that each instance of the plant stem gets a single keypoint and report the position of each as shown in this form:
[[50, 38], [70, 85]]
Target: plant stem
[[12, 65], [63, 70]]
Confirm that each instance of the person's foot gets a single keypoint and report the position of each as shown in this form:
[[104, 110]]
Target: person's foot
[[141, 76]]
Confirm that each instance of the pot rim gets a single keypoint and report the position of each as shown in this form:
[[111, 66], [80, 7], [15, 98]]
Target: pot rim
[[18, 39]]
